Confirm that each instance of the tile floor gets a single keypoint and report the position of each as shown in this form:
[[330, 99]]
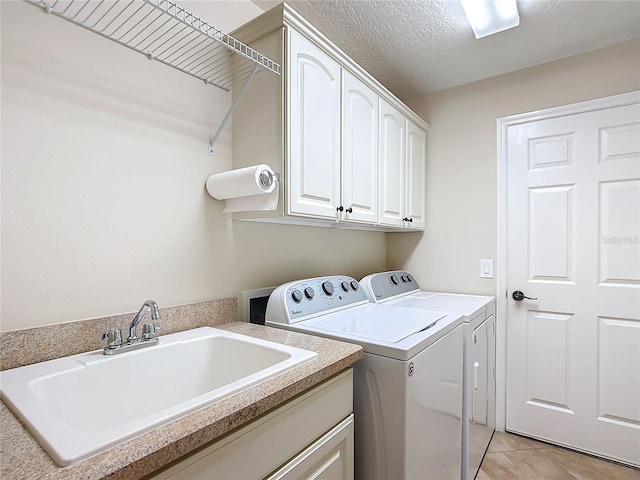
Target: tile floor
[[512, 457]]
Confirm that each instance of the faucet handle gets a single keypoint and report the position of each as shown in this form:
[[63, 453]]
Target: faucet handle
[[150, 330], [113, 337]]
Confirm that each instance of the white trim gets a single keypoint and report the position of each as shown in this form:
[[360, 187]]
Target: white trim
[[501, 284], [621, 100], [284, 14], [503, 125], [293, 19]]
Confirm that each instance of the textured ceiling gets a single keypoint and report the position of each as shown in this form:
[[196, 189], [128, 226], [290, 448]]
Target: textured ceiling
[[417, 47]]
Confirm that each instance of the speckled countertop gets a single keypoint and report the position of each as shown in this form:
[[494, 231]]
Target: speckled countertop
[[22, 457]]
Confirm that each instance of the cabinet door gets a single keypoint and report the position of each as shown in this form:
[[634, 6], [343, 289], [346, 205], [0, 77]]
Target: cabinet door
[[359, 151], [391, 165], [415, 176], [263, 445], [314, 130], [330, 458]]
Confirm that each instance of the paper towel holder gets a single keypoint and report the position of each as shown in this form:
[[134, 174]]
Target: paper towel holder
[[264, 181], [274, 178], [240, 199], [266, 178]]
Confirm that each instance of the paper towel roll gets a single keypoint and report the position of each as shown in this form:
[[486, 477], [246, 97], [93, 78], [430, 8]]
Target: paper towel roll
[[243, 182], [252, 203]]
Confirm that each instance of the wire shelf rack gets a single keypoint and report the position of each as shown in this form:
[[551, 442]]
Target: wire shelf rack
[[163, 31]]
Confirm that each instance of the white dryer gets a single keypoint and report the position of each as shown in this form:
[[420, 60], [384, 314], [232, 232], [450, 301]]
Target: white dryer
[[400, 289], [407, 388]]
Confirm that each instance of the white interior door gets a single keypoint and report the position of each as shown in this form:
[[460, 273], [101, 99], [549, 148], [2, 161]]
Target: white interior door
[[573, 229]]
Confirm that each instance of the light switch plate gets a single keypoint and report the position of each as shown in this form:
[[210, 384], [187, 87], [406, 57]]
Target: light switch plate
[[486, 268]]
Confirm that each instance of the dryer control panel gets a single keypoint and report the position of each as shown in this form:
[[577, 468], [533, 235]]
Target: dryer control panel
[[385, 285], [302, 299]]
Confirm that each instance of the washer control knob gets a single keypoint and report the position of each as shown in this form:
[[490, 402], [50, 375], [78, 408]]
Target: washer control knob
[[345, 286], [328, 288], [354, 285], [409, 279], [296, 295], [403, 278], [309, 293], [394, 279]]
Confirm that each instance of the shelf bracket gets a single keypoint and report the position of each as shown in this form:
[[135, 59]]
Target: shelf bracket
[[234, 104]]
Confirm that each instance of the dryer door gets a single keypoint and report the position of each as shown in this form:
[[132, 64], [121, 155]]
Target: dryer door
[[482, 387], [480, 374]]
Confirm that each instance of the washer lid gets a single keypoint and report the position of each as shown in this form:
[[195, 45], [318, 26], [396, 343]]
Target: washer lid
[[375, 322], [468, 305]]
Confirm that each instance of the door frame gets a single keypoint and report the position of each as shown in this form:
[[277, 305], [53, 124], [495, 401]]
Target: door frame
[[503, 124]]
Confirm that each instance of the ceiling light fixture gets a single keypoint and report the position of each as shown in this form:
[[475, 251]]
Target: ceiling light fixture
[[491, 16]]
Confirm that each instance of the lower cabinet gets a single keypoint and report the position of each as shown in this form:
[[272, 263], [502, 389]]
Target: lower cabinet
[[330, 458], [310, 436]]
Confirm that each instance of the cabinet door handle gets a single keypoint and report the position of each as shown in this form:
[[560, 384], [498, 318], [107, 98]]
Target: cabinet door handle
[[406, 219], [340, 208], [349, 210]]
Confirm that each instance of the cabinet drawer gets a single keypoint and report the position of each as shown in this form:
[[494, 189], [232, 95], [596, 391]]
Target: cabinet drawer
[[330, 457], [259, 448]]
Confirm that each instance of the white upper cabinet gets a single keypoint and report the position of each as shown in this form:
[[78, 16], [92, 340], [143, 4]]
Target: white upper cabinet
[[402, 168], [348, 152], [391, 165], [415, 179], [359, 151], [314, 126]]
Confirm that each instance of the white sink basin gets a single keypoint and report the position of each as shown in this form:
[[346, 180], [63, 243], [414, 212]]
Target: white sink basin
[[80, 405]]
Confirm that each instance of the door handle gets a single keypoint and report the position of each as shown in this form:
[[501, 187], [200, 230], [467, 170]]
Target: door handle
[[518, 296]]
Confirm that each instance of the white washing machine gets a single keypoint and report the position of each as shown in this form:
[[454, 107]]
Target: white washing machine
[[408, 388], [400, 289]]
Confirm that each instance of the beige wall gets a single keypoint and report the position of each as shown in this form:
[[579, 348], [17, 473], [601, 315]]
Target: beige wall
[[103, 165], [461, 159], [103, 162]]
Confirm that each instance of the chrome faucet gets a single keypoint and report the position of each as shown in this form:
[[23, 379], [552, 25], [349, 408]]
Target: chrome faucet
[[149, 338], [147, 306]]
